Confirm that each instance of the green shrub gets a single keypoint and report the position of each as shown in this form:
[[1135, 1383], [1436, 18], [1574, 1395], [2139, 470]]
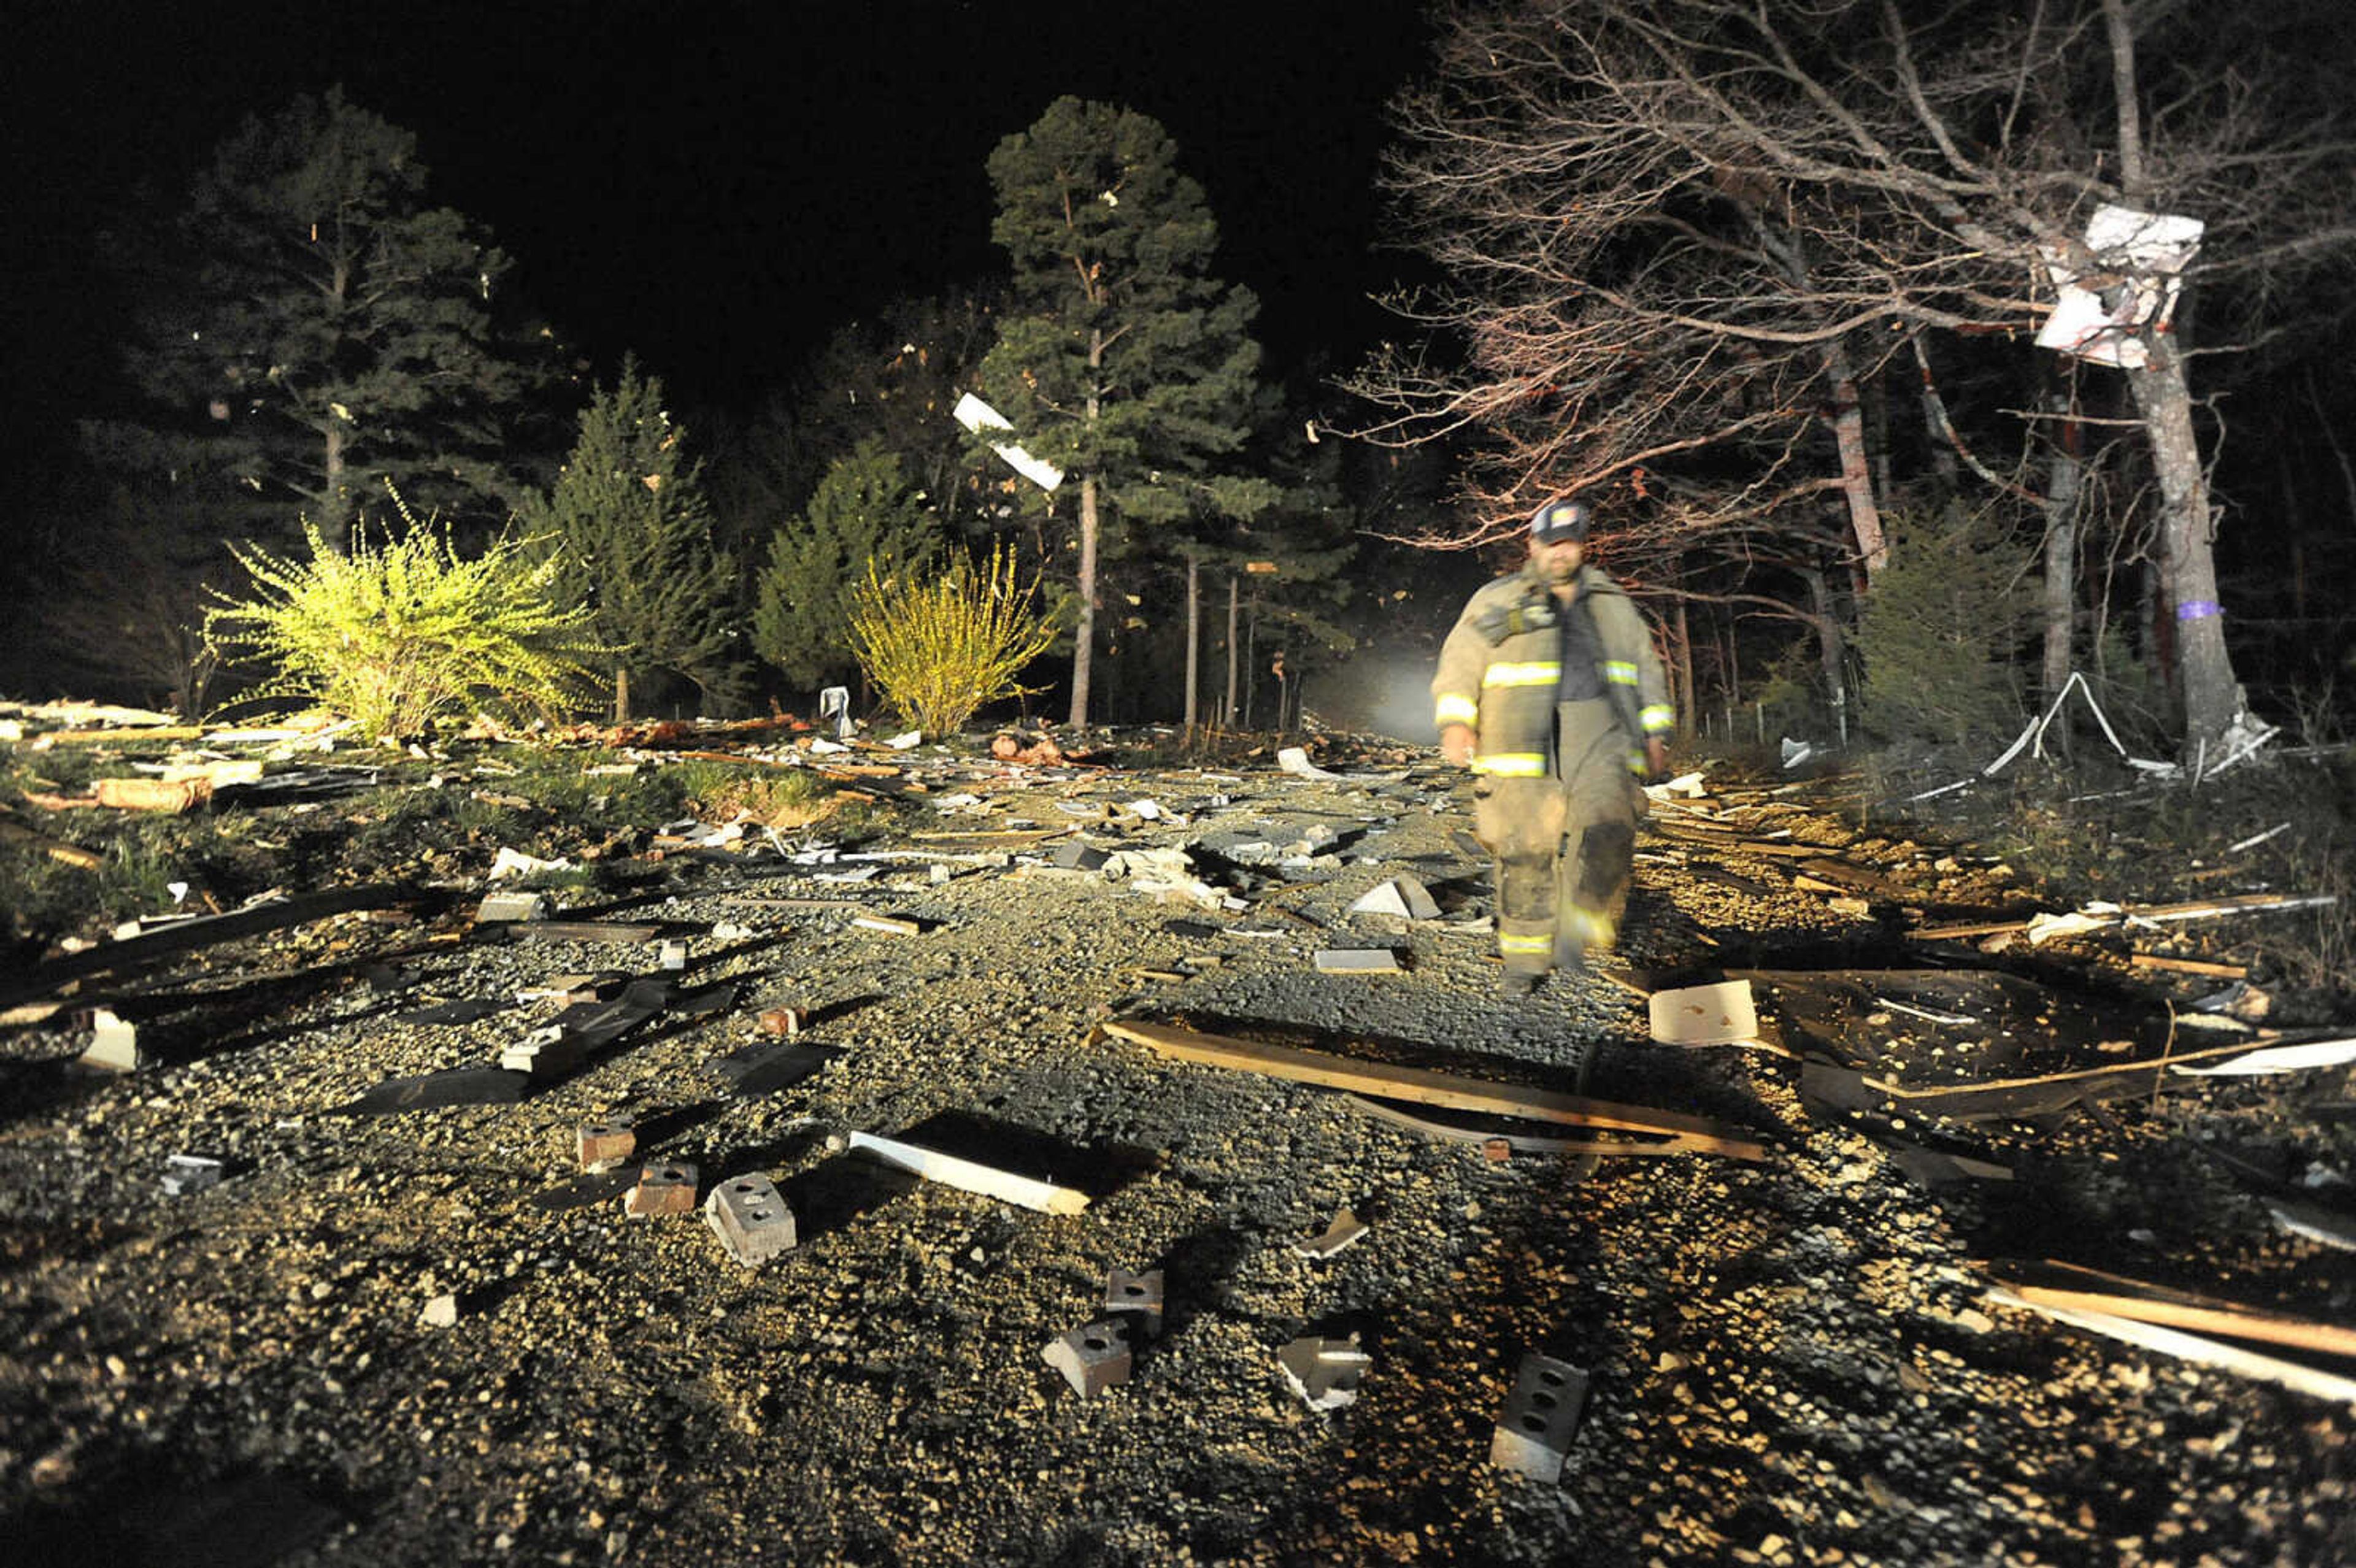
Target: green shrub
[[938, 649], [1940, 634], [400, 632], [863, 513]]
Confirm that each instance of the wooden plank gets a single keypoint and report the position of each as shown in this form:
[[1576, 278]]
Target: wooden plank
[[2091, 1290], [54, 848], [2291, 1375], [971, 1176], [134, 734], [1429, 1088], [203, 932], [1854, 876], [2189, 966], [1521, 1142], [620, 933]]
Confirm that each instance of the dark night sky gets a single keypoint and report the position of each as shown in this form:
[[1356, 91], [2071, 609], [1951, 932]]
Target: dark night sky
[[716, 185]]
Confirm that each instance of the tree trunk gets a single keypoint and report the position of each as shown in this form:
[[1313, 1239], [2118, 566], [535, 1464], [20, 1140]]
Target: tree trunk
[[1084, 635], [2210, 695], [1235, 650], [1194, 634], [1831, 646], [1856, 472], [621, 695], [2064, 472], [1689, 702]]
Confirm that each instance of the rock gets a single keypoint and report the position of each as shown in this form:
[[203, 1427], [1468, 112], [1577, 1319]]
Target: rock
[[442, 1312]]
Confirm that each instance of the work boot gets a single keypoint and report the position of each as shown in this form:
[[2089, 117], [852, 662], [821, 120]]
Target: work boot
[[1516, 983]]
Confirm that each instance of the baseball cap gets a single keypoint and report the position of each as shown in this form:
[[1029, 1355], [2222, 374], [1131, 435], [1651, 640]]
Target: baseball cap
[[1560, 520]]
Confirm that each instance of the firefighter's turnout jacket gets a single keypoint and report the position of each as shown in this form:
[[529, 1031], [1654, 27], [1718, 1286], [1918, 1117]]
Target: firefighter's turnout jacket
[[1505, 678], [1562, 699]]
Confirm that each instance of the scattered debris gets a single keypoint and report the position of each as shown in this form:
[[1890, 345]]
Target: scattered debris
[[890, 923], [1357, 961], [504, 908], [516, 863], [1431, 1088], [1137, 1293], [113, 1044], [1324, 1372], [2054, 1284], [187, 1173], [2293, 1375], [662, 1189], [972, 1176], [752, 1220], [1092, 1358], [1405, 897], [441, 1312], [1723, 1014], [618, 933], [605, 1146], [1534, 1431], [1346, 1229], [2304, 1057], [2313, 1223], [153, 794]]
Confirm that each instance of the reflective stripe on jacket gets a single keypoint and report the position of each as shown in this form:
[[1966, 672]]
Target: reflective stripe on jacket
[[1506, 691]]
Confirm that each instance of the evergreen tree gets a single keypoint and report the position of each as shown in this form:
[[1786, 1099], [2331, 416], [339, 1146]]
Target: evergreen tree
[[862, 513], [628, 519], [1123, 362], [310, 325]]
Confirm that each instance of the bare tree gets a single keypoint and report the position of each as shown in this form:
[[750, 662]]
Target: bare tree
[[1678, 234]]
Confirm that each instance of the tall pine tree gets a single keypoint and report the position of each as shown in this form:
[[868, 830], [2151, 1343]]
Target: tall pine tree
[[310, 325], [1122, 361], [627, 517]]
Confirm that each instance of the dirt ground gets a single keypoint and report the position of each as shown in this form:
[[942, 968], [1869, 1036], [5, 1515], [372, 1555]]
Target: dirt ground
[[425, 1336]]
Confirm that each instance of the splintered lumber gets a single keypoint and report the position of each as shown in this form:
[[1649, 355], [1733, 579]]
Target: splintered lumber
[[203, 932], [54, 848], [619, 933], [2293, 1375], [1854, 876], [972, 1176], [1430, 1088], [2049, 1091], [2091, 1290], [1520, 1143], [2189, 966], [2199, 908]]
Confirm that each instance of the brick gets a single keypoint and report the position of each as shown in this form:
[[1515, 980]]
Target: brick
[[662, 1189], [787, 1022], [1138, 1292], [113, 1044], [605, 1146], [1541, 1417], [1093, 1357], [751, 1219]]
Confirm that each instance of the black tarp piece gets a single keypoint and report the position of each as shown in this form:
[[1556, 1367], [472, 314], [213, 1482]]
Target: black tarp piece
[[438, 1091]]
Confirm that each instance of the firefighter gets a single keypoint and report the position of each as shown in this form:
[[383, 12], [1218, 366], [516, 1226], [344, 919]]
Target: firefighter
[[1550, 689]]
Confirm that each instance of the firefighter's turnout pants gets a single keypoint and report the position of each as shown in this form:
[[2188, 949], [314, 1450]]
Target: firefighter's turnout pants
[[1563, 843]]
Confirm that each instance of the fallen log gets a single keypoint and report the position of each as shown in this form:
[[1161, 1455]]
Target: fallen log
[[1427, 1087]]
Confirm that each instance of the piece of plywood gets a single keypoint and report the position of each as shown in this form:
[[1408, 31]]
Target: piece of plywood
[[972, 1176], [1430, 1088]]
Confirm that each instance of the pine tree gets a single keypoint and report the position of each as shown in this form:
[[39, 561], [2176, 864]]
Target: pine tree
[[863, 513], [310, 326], [1123, 362], [628, 518]]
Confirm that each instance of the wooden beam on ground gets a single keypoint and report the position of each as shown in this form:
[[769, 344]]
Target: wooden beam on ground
[[972, 1176], [619, 933], [1430, 1088], [2189, 966], [2293, 1375], [1520, 1143], [2050, 1091], [136, 952], [2091, 1290]]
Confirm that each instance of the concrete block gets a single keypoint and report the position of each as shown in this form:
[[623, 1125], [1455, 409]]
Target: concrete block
[[1138, 1292], [510, 906], [665, 1189], [1541, 1417], [605, 1146], [186, 1173], [1324, 1372], [672, 954], [1092, 1357], [751, 1219], [113, 1044]]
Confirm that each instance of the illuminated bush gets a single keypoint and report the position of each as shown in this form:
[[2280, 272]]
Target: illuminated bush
[[939, 649], [400, 632]]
